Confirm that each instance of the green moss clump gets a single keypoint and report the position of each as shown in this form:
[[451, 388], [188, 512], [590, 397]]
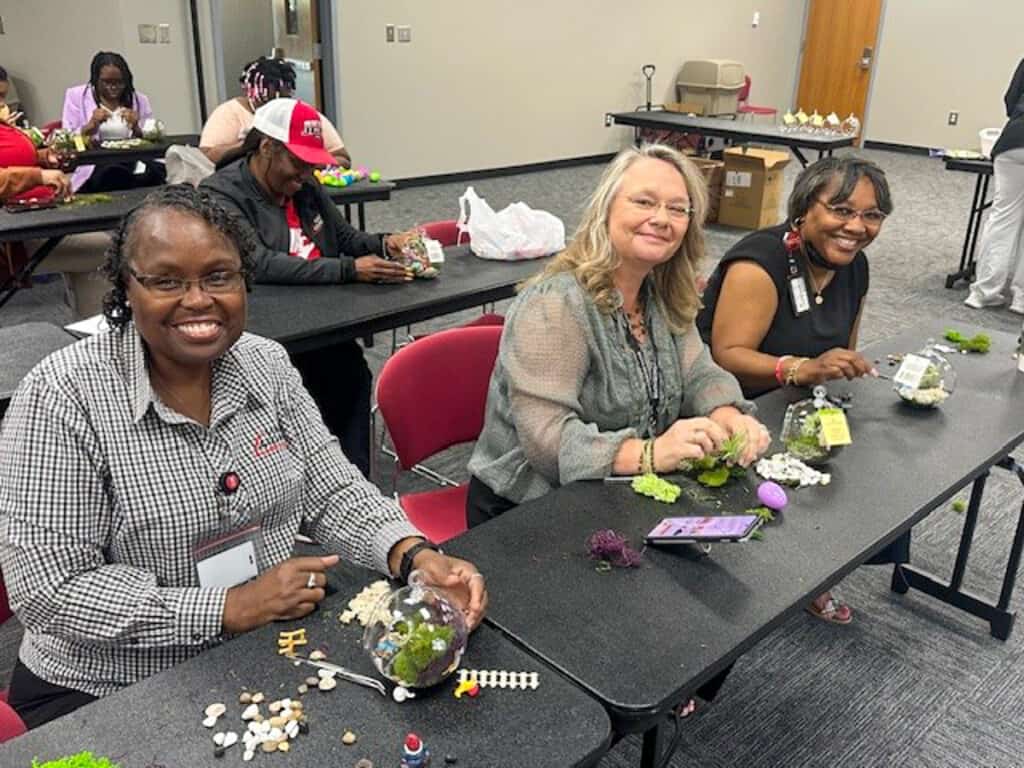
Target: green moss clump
[[714, 478], [979, 343], [806, 444], [715, 470], [931, 379], [657, 488], [959, 505], [81, 760], [418, 651]]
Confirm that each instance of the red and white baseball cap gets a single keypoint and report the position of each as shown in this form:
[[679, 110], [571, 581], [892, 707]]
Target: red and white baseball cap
[[296, 125]]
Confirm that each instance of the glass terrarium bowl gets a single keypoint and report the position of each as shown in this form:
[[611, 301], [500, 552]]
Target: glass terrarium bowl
[[936, 385], [801, 431], [416, 635]]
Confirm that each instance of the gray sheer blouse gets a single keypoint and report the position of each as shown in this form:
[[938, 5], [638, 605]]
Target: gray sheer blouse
[[568, 389]]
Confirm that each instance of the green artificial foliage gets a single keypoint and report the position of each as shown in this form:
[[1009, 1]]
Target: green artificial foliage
[[757, 535], [657, 488], [81, 760], [959, 505], [766, 515], [715, 470], [417, 650], [94, 198], [714, 478], [979, 343]]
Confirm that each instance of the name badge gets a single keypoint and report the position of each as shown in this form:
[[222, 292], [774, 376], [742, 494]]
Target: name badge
[[798, 292], [229, 560]]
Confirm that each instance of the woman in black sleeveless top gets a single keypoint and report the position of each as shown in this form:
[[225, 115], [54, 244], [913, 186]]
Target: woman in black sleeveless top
[[784, 304]]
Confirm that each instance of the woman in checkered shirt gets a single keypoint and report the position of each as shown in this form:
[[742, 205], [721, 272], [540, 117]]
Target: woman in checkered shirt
[[153, 479]]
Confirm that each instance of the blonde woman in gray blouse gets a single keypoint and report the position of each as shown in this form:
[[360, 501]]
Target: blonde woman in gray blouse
[[601, 371]]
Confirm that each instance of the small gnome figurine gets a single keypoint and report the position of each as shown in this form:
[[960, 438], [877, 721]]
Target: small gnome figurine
[[414, 752]]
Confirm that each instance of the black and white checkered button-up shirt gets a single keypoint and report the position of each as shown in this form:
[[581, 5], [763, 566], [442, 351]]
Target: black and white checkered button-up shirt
[[105, 491]]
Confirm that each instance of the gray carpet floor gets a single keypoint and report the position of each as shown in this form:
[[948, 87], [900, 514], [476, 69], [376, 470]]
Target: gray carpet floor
[[911, 682]]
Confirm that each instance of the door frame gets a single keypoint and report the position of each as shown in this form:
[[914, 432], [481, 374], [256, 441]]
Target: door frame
[[874, 72], [215, 82]]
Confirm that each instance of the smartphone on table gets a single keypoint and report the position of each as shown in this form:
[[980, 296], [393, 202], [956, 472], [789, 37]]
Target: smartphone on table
[[703, 529]]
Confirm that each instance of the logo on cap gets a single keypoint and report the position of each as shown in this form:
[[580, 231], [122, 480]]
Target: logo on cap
[[311, 128]]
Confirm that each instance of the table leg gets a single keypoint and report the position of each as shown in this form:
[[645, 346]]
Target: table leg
[[998, 616], [348, 213], [653, 746], [800, 155], [361, 211], [966, 253], [12, 286], [978, 214]]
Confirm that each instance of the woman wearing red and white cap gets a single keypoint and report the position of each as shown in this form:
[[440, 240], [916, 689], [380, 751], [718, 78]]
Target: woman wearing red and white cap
[[303, 239]]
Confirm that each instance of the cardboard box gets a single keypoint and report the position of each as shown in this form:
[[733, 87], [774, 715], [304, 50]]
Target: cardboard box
[[714, 174], [752, 191], [686, 107]]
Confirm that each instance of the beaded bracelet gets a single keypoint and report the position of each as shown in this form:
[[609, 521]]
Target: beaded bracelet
[[647, 458], [779, 375], [793, 370]]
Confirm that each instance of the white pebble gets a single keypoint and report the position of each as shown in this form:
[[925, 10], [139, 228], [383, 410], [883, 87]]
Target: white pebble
[[250, 712], [248, 755], [230, 738], [275, 734], [292, 729], [216, 710], [218, 738], [326, 673], [210, 722], [328, 684]]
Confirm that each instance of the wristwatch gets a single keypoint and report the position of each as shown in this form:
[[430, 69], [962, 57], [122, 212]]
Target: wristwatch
[[405, 567]]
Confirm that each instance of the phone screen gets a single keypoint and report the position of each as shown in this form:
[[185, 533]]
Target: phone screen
[[690, 528]]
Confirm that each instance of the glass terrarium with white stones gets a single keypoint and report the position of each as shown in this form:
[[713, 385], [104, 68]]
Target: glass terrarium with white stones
[[416, 635], [925, 379]]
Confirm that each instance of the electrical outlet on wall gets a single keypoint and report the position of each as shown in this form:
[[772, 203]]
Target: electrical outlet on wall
[[163, 33], [389, 33], [147, 34], [953, 119], [405, 34]]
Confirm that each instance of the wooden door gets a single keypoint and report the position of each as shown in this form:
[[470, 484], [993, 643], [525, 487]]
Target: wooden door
[[839, 47]]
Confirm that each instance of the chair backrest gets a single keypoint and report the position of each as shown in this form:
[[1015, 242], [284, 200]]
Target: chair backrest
[[432, 393], [445, 232], [5, 608], [744, 95], [11, 726]]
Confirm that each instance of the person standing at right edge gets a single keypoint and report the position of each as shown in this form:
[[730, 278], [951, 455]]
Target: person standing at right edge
[[999, 273]]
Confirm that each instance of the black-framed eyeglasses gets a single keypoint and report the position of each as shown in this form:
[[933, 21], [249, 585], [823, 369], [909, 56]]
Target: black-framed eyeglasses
[[872, 217], [216, 283]]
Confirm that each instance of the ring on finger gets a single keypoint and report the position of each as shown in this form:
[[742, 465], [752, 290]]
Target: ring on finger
[[311, 581], [477, 576]]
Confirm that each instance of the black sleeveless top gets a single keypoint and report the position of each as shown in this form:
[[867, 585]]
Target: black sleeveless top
[[825, 326]]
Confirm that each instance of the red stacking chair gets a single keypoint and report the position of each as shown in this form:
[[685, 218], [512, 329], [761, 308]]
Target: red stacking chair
[[10, 723], [447, 234], [744, 108], [431, 394]]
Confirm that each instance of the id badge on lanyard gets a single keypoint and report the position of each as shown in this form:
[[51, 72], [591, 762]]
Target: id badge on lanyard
[[797, 288], [229, 559]]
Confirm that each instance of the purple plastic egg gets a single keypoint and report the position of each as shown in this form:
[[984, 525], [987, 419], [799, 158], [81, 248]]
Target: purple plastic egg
[[772, 495]]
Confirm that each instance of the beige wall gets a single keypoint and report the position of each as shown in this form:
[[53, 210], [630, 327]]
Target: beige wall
[[489, 84], [247, 31], [48, 46], [939, 56]]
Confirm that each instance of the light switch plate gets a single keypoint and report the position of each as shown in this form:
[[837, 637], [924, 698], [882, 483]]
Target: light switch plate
[[147, 33], [405, 34]]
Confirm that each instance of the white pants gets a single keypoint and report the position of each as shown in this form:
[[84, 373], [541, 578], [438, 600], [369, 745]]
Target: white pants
[[78, 258], [1001, 259]]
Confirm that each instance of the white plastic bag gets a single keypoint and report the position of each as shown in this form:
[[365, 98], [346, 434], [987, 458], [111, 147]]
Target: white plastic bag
[[513, 233]]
